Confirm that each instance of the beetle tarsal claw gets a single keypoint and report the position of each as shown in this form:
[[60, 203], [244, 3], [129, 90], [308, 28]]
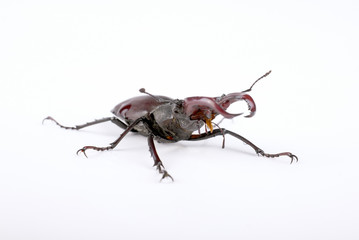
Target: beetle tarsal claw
[[83, 150], [292, 158], [161, 169], [166, 175]]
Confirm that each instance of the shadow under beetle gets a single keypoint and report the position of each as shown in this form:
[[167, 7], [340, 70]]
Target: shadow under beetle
[[170, 120]]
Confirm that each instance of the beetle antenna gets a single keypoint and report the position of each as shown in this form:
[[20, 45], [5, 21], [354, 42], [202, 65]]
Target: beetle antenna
[[158, 99], [266, 74]]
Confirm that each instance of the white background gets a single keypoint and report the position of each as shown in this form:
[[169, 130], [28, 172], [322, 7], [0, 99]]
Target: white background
[[75, 60]]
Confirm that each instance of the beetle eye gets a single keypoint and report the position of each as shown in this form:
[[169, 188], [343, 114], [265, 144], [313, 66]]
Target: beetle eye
[[176, 111]]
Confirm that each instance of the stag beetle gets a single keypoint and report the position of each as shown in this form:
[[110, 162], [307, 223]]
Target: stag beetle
[[171, 120]]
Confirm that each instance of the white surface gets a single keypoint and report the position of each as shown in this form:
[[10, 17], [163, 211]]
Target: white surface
[[75, 60]]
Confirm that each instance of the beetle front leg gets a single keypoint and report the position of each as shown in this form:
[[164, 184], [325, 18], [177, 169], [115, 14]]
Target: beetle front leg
[[113, 144], [222, 132], [260, 151], [289, 154], [158, 163]]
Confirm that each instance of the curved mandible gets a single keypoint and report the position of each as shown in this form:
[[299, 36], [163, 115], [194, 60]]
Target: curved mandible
[[191, 104], [227, 100]]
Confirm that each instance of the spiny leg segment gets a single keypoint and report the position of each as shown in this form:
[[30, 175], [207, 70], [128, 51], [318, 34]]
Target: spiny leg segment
[[158, 163], [97, 121], [222, 132], [113, 144]]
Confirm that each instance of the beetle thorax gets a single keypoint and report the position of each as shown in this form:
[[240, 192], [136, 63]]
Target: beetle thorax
[[172, 120]]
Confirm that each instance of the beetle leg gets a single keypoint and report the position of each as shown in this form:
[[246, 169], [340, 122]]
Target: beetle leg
[[113, 144], [78, 127], [158, 163], [219, 132], [119, 123], [292, 156], [224, 138]]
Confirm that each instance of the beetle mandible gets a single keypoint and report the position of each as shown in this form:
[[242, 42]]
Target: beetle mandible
[[171, 120]]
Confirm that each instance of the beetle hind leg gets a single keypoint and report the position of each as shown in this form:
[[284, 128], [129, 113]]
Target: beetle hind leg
[[158, 163], [97, 121]]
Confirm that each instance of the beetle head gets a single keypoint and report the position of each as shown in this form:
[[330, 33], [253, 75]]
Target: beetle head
[[207, 108]]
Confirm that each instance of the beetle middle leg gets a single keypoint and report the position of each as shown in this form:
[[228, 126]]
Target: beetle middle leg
[[222, 132], [113, 144], [158, 163]]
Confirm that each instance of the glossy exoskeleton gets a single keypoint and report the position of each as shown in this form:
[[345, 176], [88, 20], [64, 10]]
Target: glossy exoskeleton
[[170, 120]]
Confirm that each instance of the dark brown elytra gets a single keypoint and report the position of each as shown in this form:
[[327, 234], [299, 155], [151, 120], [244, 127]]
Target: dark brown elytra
[[170, 120]]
